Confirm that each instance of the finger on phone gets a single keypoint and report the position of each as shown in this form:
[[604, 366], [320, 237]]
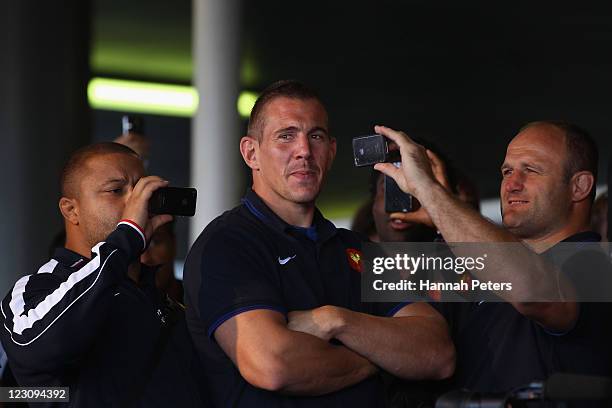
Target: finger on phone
[[419, 216], [393, 134], [151, 186], [144, 181], [412, 216], [388, 169]]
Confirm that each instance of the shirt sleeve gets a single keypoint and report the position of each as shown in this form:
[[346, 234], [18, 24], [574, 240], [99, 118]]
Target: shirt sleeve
[[52, 317], [237, 274], [390, 309]]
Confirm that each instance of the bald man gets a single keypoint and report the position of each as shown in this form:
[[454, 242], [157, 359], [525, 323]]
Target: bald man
[[91, 318], [547, 190]]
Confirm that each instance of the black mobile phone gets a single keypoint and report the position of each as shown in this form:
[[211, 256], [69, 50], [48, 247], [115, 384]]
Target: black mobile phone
[[395, 199], [369, 150], [174, 201]]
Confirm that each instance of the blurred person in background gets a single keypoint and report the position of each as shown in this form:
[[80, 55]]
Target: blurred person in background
[[373, 221], [466, 190], [363, 221], [161, 252], [414, 226], [133, 136], [599, 217]]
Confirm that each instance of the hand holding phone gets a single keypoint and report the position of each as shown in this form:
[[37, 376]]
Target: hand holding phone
[[173, 201]]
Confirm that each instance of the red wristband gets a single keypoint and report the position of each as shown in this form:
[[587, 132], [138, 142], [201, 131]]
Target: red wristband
[[137, 227]]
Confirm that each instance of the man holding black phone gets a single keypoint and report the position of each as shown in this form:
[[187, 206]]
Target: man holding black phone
[[161, 251], [273, 288], [91, 318], [547, 189]]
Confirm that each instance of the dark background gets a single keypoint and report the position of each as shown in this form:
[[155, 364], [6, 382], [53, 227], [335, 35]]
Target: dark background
[[465, 75]]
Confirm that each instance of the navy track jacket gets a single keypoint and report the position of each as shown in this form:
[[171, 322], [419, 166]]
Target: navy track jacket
[[84, 324]]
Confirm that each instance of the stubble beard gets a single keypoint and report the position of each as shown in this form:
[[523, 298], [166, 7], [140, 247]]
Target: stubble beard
[[99, 232]]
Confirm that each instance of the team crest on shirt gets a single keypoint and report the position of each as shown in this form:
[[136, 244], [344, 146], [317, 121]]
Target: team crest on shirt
[[355, 259]]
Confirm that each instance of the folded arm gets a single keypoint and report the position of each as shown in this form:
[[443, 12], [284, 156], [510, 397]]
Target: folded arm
[[270, 356], [414, 344]]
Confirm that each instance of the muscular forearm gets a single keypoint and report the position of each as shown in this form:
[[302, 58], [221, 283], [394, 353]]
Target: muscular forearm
[[411, 347], [530, 275], [311, 366], [457, 221], [270, 356]]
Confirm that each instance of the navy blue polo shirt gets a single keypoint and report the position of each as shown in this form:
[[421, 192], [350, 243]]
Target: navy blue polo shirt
[[499, 349], [248, 258]]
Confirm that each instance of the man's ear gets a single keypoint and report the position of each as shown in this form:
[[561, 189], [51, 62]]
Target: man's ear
[[249, 148], [582, 183], [69, 209]]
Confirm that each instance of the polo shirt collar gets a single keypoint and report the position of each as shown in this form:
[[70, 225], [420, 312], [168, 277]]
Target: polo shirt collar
[[320, 231], [586, 236]]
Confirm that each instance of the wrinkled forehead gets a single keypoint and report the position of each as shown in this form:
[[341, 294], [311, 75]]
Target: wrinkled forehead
[[282, 112]]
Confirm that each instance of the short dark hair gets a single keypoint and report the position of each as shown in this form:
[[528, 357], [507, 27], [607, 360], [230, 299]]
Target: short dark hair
[[78, 159], [287, 88], [582, 151]]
